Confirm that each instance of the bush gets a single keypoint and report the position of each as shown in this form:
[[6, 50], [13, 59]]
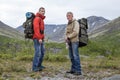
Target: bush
[[6, 56], [108, 64], [24, 57], [55, 57], [17, 68]]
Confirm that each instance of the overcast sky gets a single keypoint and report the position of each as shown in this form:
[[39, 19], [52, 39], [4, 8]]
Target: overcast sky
[[12, 12]]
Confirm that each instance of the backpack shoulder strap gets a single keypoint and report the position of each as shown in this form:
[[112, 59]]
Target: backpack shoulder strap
[[74, 24]]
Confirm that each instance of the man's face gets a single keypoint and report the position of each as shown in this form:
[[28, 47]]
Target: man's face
[[42, 11], [69, 17]]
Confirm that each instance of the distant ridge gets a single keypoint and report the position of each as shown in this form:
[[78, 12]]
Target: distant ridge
[[8, 31], [56, 33], [110, 27]]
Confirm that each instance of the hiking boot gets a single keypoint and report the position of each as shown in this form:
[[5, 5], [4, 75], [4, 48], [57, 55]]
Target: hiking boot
[[37, 69], [77, 73], [71, 72], [42, 67]]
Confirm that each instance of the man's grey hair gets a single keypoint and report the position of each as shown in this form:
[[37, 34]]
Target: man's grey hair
[[70, 13]]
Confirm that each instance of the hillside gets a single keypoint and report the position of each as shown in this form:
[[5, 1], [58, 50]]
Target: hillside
[[99, 59], [95, 22], [55, 33], [8, 31], [105, 40], [109, 28]]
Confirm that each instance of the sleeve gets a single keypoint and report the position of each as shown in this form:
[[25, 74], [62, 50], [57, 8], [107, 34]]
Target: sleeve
[[65, 33], [36, 24], [75, 30]]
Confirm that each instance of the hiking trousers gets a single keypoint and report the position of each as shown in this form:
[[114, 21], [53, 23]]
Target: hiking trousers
[[38, 55], [74, 57]]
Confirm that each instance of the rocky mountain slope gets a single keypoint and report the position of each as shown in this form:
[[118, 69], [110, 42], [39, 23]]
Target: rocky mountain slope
[[109, 28], [8, 31], [95, 22], [56, 32]]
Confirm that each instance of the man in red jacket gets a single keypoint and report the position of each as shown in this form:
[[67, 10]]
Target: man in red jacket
[[38, 39]]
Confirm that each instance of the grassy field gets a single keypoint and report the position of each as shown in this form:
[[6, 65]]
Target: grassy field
[[99, 59], [19, 68]]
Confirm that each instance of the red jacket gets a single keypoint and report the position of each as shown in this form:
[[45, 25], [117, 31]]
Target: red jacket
[[38, 24]]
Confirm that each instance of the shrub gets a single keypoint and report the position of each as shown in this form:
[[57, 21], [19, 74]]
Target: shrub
[[55, 57], [6, 56], [24, 57]]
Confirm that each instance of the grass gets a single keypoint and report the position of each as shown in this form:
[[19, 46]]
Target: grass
[[89, 65], [16, 58], [106, 45], [55, 57]]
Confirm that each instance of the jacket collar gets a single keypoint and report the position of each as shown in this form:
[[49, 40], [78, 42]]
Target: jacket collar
[[69, 22], [39, 15]]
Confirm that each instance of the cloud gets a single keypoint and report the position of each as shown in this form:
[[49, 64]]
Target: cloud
[[13, 12]]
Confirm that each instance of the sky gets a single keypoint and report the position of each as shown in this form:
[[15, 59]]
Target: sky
[[12, 12]]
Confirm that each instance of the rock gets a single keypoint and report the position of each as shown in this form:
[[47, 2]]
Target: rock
[[54, 50], [100, 57], [55, 78], [6, 76], [108, 52], [28, 78], [115, 77], [46, 78], [84, 56]]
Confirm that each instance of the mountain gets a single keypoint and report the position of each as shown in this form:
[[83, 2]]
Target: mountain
[[8, 31], [52, 32], [106, 39], [56, 32], [20, 28], [95, 22], [109, 28]]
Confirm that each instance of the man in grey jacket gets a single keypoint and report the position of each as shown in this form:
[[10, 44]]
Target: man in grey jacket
[[71, 37]]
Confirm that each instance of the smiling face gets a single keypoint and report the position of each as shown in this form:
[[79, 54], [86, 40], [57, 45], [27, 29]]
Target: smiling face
[[69, 16]]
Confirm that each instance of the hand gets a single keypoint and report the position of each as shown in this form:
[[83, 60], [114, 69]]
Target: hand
[[67, 39], [40, 41]]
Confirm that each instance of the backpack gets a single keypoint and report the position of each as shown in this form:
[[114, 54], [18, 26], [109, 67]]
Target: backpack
[[28, 25], [83, 36]]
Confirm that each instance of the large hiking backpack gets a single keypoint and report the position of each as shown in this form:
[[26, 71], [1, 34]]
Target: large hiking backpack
[[83, 36], [28, 25]]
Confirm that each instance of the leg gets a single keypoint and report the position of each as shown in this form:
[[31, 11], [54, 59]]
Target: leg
[[42, 54], [71, 57], [36, 55], [76, 65]]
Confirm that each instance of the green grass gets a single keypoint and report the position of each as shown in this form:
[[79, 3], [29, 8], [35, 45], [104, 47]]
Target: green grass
[[20, 68], [107, 44], [16, 56], [55, 57]]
